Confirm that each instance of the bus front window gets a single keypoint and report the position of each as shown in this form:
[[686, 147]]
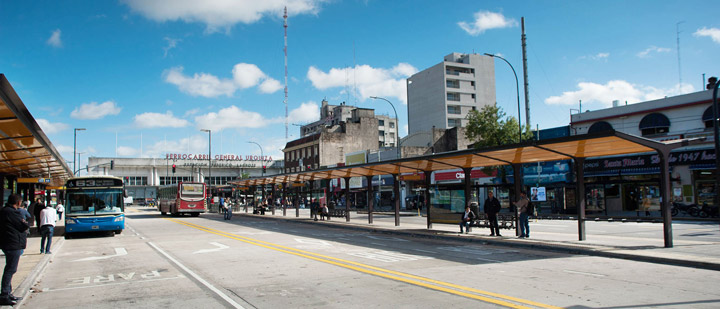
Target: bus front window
[[98, 201]]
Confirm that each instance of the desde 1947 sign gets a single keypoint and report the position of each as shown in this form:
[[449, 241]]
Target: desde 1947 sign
[[189, 156]]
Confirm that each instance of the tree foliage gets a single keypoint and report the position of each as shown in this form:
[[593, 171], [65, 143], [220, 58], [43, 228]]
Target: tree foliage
[[490, 127]]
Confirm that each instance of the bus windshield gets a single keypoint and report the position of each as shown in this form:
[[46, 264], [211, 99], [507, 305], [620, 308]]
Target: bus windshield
[[94, 202], [192, 190]]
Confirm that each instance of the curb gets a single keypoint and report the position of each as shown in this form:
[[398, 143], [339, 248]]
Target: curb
[[525, 244]]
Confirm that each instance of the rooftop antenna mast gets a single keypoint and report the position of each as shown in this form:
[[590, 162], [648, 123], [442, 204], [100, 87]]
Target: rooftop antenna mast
[[677, 28], [286, 75]]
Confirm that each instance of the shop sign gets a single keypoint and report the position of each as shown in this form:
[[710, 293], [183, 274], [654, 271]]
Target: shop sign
[[704, 156], [474, 174], [33, 180], [701, 156], [190, 156], [413, 177]]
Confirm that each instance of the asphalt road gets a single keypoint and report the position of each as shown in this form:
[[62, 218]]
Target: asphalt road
[[184, 262]]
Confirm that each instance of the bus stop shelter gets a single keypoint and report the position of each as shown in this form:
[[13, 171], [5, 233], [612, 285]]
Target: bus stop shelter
[[576, 148], [28, 160]]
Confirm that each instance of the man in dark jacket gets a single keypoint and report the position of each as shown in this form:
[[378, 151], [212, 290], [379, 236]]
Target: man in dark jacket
[[492, 207], [39, 206], [13, 240]]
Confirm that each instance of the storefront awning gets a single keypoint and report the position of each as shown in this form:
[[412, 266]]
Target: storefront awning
[[25, 151]]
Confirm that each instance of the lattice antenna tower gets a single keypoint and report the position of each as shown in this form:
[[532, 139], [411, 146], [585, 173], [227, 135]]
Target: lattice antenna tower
[[285, 25]]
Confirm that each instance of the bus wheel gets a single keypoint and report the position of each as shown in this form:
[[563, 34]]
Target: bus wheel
[[175, 214], [163, 213], [118, 231], [195, 214]]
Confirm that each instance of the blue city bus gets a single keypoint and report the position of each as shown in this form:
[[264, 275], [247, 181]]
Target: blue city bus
[[94, 204]]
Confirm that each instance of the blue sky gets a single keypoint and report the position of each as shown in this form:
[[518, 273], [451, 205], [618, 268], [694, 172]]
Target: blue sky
[[147, 75]]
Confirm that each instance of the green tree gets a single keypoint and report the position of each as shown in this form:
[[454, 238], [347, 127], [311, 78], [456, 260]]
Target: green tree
[[490, 127]]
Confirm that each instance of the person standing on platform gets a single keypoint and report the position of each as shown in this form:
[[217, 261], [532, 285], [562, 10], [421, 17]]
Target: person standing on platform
[[521, 210], [492, 207], [13, 240], [60, 209], [48, 217], [39, 206]]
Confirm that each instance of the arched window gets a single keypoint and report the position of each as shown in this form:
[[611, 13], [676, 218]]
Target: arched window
[[600, 126], [707, 117], [655, 123]]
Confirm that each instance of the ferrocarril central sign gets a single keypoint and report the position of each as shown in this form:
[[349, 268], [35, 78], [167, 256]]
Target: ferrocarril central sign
[[225, 157]]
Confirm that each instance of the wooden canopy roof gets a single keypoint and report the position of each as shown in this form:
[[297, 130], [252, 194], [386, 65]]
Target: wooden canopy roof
[[25, 151]]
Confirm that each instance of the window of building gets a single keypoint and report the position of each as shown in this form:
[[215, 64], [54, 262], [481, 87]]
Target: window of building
[[381, 122], [472, 83], [392, 125], [655, 123], [707, 117], [392, 135], [381, 144], [453, 96], [453, 109], [317, 150], [381, 133], [472, 95], [136, 181], [600, 126], [453, 83], [452, 122]]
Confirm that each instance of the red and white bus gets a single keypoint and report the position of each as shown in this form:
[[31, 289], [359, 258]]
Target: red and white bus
[[181, 198]]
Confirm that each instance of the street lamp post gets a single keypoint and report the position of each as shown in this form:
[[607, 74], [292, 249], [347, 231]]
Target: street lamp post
[[397, 124], [77, 172], [716, 131], [517, 89], [209, 156], [262, 157], [75, 146]]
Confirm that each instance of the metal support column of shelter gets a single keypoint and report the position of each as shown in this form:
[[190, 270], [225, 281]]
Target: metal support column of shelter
[[665, 197], [347, 199], [580, 196], [396, 193], [296, 201], [284, 198], [428, 205], [370, 198], [518, 179], [468, 188], [254, 189], [272, 198]]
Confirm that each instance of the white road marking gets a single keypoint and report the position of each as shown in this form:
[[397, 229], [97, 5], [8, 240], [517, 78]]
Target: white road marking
[[389, 256], [198, 278], [118, 252], [427, 251], [109, 284], [217, 244], [488, 260], [584, 273], [378, 244], [475, 250], [385, 238]]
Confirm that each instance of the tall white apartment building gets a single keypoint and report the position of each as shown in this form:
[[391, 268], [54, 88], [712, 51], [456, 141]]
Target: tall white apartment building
[[441, 96]]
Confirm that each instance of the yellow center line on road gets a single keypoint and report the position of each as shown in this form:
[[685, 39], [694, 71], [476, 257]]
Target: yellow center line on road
[[498, 299]]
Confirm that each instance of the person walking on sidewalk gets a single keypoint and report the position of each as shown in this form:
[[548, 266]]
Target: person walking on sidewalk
[[467, 218], [60, 209], [492, 207], [48, 217], [227, 205], [13, 240], [521, 208]]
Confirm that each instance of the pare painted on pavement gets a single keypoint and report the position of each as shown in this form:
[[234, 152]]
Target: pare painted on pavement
[[114, 279]]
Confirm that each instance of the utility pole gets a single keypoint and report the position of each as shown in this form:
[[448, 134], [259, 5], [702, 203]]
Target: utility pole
[[285, 25], [525, 73]]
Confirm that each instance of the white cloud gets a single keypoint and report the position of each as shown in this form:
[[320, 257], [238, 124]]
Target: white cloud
[[485, 20], [230, 117], [307, 112], [220, 14], [193, 144], [713, 33], [172, 43], [205, 85], [93, 110], [55, 40], [598, 56], [270, 86], [158, 120], [245, 75], [603, 95], [125, 151], [651, 49], [370, 81], [191, 112], [51, 128]]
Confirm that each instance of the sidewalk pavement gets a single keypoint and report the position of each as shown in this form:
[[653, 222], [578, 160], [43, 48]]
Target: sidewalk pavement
[[632, 241], [32, 262]]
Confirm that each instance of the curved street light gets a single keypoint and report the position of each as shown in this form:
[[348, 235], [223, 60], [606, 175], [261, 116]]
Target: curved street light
[[262, 157], [75, 147], [397, 125], [517, 89]]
